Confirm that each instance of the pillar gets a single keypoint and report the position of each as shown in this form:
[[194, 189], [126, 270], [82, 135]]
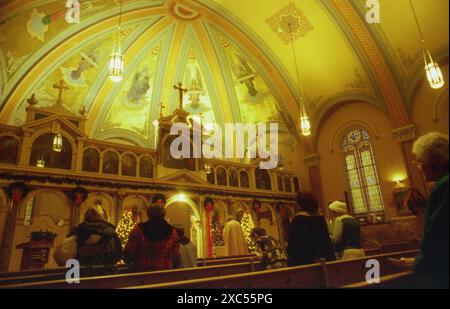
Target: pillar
[[312, 163]]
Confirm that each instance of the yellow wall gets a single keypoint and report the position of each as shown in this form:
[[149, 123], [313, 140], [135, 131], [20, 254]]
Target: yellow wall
[[425, 100], [387, 151]]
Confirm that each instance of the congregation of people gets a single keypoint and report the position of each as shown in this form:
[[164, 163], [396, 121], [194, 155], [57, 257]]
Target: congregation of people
[[157, 245]]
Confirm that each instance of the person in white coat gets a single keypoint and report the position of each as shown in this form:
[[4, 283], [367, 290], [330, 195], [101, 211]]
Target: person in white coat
[[345, 232], [233, 236]]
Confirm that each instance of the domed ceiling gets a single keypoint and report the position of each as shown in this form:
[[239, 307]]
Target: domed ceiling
[[234, 57]]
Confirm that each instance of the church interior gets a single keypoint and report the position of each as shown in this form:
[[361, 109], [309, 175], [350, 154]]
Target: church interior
[[90, 89]]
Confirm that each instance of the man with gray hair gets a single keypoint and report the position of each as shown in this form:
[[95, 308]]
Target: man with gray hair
[[431, 264]]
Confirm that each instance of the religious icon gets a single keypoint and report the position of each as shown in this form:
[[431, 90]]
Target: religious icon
[[9, 148]]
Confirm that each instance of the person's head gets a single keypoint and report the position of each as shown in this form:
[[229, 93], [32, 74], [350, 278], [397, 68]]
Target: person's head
[[307, 201], [156, 212], [431, 152], [180, 231], [159, 199], [257, 232], [95, 213], [338, 208], [229, 218]]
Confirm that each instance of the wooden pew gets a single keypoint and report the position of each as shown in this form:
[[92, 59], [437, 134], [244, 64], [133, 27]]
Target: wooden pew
[[319, 275], [398, 280], [143, 278], [340, 273], [309, 276], [60, 273]]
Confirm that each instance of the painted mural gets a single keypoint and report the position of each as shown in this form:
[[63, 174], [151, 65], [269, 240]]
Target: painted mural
[[132, 105]]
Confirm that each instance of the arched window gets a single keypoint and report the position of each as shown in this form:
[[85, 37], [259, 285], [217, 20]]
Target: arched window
[[361, 173], [146, 167], [221, 176], [245, 183], [110, 163], [9, 149], [262, 178], [129, 165], [233, 178], [91, 160]]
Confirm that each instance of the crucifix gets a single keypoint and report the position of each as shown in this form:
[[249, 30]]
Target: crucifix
[[202, 117], [180, 90], [161, 106], [61, 86]]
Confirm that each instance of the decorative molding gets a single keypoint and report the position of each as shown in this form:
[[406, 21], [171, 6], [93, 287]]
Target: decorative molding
[[311, 160], [378, 65], [405, 133], [290, 14]]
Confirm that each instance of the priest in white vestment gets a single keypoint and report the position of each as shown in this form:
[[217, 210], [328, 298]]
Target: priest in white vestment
[[233, 236]]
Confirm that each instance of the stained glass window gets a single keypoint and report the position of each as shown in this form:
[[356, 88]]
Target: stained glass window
[[361, 173]]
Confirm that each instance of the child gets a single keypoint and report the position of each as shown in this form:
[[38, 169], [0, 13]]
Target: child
[[268, 249]]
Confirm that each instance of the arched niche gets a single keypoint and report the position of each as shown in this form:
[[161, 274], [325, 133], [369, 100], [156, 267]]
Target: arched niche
[[105, 201], [221, 176], [233, 177], [9, 149], [262, 179], [184, 212], [41, 210], [42, 148], [129, 164], [244, 180], [110, 162], [138, 205], [146, 167], [91, 160]]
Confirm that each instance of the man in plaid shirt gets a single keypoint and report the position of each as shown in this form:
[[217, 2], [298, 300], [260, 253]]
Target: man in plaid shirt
[[153, 245]]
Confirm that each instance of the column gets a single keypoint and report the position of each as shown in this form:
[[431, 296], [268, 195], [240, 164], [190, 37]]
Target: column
[[312, 163], [8, 236]]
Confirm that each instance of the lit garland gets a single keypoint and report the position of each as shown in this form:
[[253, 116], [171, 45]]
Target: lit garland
[[125, 226], [247, 227]]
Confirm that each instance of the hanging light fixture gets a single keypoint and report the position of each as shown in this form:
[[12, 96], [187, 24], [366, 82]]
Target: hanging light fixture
[[434, 74], [57, 142], [116, 61], [305, 124], [208, 168], [40, 161]]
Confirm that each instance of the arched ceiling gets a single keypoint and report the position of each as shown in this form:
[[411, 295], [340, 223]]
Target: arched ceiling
[[234, 57]]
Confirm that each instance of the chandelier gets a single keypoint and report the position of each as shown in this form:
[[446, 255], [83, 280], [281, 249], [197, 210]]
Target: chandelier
[[57, 142], [116, 61], [432, 70], [305, 124]]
